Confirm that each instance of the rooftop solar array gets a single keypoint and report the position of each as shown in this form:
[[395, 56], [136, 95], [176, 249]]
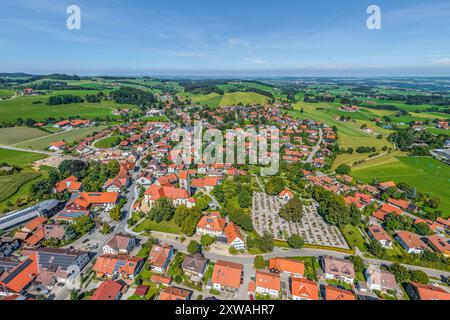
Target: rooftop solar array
[[17, 271]]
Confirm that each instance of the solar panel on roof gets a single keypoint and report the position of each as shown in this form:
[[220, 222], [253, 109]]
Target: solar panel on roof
[[17, 271]]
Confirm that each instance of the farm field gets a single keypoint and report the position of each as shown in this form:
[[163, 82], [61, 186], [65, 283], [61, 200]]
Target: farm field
[[23, 107], [425, 173], [231, 99], [349, 132], [19, 158], [67, 136], [14, 135]]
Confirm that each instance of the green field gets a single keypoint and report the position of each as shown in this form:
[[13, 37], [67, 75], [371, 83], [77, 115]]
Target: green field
[[349, 132], [108, 142], [235, 98], [14, 135], [11, 184], [18, 158], [23, 107], [425, 173], [67, 136], [6, 94], [165, 226]]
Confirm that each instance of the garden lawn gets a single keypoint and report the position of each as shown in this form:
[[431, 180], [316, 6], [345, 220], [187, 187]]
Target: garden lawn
[[108, 142], [354, 237], [164, 226], [425, 173]]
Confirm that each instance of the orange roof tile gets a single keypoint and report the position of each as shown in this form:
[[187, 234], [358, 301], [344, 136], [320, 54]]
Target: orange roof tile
[[268, 281], [304, 288], [212, 222], [333, 293], [232, 232], [287, 265], [107, 291], [429, 292], [227, 274], [34, 224]]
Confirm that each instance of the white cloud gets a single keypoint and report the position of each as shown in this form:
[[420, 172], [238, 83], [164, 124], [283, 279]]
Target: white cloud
[[238, 42], [187, 54], [256, 60]]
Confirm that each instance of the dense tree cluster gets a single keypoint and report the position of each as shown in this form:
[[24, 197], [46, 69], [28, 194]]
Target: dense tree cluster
[[64, 99], [292, 211], [418, 143], [129, 95]]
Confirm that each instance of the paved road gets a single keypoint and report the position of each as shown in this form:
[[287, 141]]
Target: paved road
[[316, 148]]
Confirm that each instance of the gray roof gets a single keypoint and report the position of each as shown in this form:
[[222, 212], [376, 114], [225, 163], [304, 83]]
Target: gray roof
[[195, 263]]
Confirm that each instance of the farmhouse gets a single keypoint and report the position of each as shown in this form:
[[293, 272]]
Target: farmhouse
[[57, 146]]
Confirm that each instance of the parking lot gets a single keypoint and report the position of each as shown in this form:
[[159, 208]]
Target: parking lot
[[313, 229]]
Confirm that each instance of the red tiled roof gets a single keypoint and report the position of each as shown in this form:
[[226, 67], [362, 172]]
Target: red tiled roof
[[268, 281], [16, 282], [378, 233], [100, 197], [227, 274], [429, 292], [34, 224], [305, 289], [172, 293], [232, 232], [333, 293], [287, 265], [107, 291], [156, 192], [212, 222], [411, 240]]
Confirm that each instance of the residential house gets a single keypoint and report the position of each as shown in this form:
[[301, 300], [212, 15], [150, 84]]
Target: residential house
[[381, 280], [57, 146], [338, 269], [227, 276], [128, 267], [286, 195], [8, 246], [120, 244], [438, 244], [175, 294], [304, 289], [411, 242], [333, 293], [160, 257], [212, 225], [234, 237], [102, 200], [418, 291], [290, 267], [379, 234], [268, 283], [108, 290], [194, 266], [70, 184]]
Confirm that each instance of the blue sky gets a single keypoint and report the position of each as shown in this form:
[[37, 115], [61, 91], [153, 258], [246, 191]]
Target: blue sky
[[209, 37]]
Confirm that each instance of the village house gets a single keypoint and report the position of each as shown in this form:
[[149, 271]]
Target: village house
[[338, 269], [333, 293], [438, 244], [381, 280], [101, 200], [418, 291], [268, 283], [108, 290], [57, 146], [71, 184], [175, 294], [17, 279], [234, 237], [111, 265], [411, 242], [292, 268], [120, 244], [227, 276], [304, 289], [286, 195], [212, 225], [194, 266], [160, 257], [379, 234]]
